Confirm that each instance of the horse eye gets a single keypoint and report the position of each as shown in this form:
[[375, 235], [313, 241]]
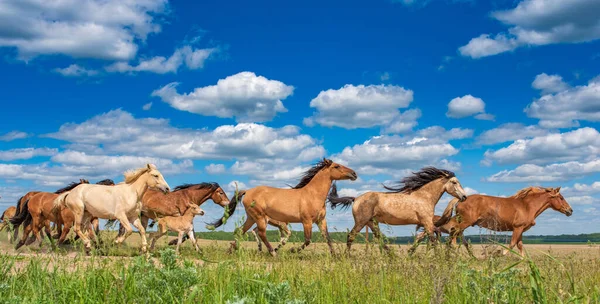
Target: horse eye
[[336, 166]]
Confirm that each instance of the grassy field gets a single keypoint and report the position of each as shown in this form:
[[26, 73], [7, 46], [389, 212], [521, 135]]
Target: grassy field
[[552, 274]]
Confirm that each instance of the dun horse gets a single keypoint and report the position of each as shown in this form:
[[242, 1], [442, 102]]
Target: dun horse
[[413, 202], [121, 202], [7, 215], [516, 213], [305, 203]]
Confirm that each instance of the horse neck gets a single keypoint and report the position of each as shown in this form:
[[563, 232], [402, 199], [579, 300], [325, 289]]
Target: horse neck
[[319, 187], [140, 185], [199, 196], [536, 205], [432, 191]]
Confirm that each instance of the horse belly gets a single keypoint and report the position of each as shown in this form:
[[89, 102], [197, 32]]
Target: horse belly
[[397, 217]]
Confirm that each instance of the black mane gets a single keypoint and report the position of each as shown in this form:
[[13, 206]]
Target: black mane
[[211, 186], [106, 182], [310, 173], [419, 179], [70, 187]]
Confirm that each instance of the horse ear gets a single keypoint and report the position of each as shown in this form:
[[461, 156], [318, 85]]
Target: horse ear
[[557, 189], [149, 166]]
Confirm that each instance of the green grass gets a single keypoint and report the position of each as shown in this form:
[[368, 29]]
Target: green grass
[[368, 276]]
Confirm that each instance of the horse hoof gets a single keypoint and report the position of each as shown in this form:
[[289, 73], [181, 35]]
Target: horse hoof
[[273, 253]]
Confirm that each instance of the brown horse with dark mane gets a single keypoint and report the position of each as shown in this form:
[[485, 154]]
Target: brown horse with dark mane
[[304, 203], [516, 213], [156, 204]]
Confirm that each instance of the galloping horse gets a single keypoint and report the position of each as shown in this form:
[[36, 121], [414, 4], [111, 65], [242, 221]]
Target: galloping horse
[[413, 202], [37, 212], [305, 203], [284, 233], [121, 202], [7, 215], [20, 202], [156, 204], [516, 213]]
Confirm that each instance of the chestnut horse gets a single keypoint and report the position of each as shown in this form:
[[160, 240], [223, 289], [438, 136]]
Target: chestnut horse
[[304, 203], [37, 212], [7, 215], [20, 202], [413, 202], [516, 213], [121, 201], [156, 204]]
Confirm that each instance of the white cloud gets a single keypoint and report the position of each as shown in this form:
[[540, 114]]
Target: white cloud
[[539, 22], [581, 200], [553, 172], [583, 189], [466, 106], [26, 153], [391, 154], [108, 29], [245, 96], [404, 122], [186, 56], [510, 132], [580, 144], [352, 107], [565, 108], [75, 70], [215, 169], [13, 135], [147, 106], [549, 83]]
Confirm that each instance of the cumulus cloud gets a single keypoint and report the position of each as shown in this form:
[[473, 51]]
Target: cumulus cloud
[[26, 153], [563, 109], [13, 135], [245, 96], [510, 132], [215, 169], [75, 70], [147, 106], [549, 83], [583, 189], [580, 144], [107, 29], [361, 106], [392, 154], [548, 173], [187, 56], [461, 107], [539, 22]]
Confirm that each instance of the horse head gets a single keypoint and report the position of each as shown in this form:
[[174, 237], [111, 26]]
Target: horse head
[[558, 202]]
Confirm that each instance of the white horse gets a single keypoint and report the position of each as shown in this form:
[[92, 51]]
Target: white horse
[[121, 202]]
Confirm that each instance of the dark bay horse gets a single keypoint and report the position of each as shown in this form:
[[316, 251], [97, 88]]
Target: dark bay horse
[[516, 213], [304, 203]]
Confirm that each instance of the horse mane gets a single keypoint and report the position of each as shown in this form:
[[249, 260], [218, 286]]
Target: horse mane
[[70, 186], [523, 193], [132, 175], [209, 185], [419, 179], [106, 182], [310, 173]]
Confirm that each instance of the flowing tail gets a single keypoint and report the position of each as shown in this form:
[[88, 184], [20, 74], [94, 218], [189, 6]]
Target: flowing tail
[[447, 215], [60, 201], [229, 210], [335, 200], [23, 217]]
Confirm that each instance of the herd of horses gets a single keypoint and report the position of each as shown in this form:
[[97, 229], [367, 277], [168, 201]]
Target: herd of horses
[[145, 195]]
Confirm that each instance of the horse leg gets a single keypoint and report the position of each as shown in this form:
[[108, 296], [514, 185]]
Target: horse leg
[[307, 236], [24, 237], [65, 231], [261, 225], [138, 224], [254, 232], [16, 232], [520, 246], [126, 226], [516, 235], [323, 227], [352, 234], [377, 233], [193, 239], [179, 241], [284, 233], [247, 225], [162, 230]]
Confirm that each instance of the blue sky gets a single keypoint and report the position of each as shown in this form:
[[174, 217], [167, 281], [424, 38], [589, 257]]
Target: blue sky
[[504, 93]]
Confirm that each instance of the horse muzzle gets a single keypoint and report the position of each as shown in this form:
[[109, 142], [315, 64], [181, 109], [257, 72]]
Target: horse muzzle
[[353, 176], [568, 212], [462, 198]]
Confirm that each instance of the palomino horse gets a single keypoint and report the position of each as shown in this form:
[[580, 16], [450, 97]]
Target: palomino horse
[[413, 202], [7, 215], [305, 203], [516, 213], [37, 212], [156, 204], [121, 202]]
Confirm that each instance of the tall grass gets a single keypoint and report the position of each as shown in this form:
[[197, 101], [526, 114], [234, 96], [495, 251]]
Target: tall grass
[[368, 276]]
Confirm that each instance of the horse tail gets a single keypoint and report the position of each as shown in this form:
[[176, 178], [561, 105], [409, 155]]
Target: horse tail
[[23, 217], [447, 213], [229, 210], [60, 201], [334, 200], [19, 203]]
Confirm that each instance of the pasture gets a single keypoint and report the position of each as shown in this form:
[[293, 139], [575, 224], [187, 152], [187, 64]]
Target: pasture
[[550, 274]]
